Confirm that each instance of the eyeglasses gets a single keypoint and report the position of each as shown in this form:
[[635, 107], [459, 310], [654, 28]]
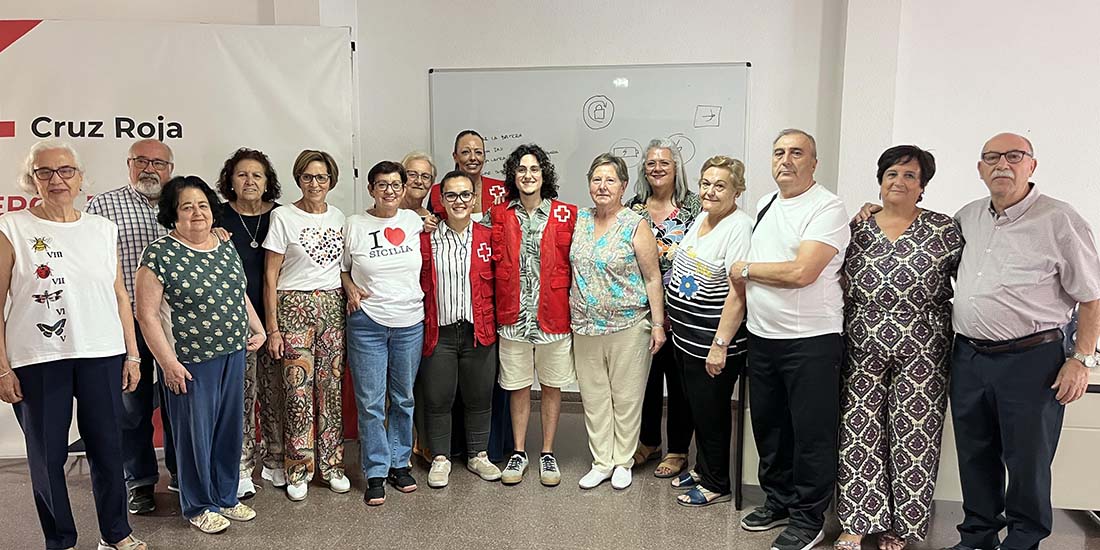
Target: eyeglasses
[[142, 163], [523, 170], [418, 176], [46, 174], [307, 179], [1014, 156], [394, 186], [465, 196]]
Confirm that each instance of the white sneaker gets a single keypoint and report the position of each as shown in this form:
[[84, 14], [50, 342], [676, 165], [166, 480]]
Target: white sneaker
[[338, 483], [620, 478], [481, 466], [277, 476], [594, 477], [245, 488], [439, 474], [297, 491]]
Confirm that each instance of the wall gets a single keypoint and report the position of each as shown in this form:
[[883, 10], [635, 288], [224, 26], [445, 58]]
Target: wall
[[242, 12]]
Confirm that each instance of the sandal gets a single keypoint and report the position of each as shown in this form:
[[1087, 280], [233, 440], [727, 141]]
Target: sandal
[[686, 480], [672, 465], [698, 497], [847, 544], [890, 541], [644, 453], [376, 491]]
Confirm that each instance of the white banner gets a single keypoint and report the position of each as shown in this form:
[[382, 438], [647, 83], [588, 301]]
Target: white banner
[[205, 90]]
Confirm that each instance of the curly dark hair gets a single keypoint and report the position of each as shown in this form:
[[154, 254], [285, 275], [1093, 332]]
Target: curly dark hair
[[225, 178], [169, 199], [549, 175]]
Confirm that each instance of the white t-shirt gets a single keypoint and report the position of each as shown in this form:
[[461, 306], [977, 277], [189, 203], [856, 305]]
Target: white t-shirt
[[785, 313], [383, 257], [311, 245], [62, 294]]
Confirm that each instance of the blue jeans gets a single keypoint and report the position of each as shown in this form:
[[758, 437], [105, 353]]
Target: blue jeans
[[382, 357]]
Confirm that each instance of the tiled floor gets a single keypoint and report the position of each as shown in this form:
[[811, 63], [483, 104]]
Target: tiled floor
[[470, 513]]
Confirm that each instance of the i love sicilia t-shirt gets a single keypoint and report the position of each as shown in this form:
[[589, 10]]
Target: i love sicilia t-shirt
[[383, 256]]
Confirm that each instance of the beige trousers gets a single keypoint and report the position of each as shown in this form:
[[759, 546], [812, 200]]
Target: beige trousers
[[612, 371]]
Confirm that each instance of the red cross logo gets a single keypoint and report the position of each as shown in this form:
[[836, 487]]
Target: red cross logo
[[562, 213], [497, 191], [484, 252]]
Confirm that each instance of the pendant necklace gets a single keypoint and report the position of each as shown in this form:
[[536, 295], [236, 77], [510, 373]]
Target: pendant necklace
[[253, 244]]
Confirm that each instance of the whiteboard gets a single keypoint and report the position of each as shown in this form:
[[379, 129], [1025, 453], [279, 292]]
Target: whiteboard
[[576, 113]]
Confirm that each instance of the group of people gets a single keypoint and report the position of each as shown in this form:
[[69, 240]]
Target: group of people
[[850, 333]]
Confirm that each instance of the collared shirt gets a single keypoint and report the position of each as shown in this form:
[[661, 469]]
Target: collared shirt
[[1023, 271], [136, 219], [452, 274], [527, 328]]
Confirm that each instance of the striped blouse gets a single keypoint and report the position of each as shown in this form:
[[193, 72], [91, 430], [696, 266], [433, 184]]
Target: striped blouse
[[699, 284]]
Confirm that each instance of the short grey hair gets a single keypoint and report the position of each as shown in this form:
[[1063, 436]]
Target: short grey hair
[[419, 155], [795, 131], [680, 182], [171, 155], [26, 176]]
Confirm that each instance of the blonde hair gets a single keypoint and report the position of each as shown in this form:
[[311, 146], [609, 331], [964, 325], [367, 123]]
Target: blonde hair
[[735, 167], [419, 155]]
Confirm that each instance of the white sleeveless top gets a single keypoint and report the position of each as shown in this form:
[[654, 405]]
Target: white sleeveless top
[[62, 301]]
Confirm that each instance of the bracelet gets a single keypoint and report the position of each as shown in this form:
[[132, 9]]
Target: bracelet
[[270, 332], [133, 359], [7, 373]]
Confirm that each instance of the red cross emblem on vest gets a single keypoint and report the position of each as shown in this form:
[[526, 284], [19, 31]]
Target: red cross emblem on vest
[[484, 252], [562, 213], [497, 191]]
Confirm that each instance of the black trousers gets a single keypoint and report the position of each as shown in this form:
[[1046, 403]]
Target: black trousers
[[1005, 416], [457, 363], [709, 402], [45, 413], [794, 392], [139, 458], [678, 428]]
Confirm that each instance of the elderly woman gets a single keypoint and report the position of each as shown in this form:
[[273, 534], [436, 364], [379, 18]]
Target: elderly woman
[[707, 330], [250, 186], [616, 309], [381, 276], [197, 320], [897, 303], [60, 269], [459, 332], [305, 326], [663, 199], [469, 157], [420, 173]]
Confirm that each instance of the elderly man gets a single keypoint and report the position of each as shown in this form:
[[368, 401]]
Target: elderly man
[[133, 208], [1029, 259], [795, 320]]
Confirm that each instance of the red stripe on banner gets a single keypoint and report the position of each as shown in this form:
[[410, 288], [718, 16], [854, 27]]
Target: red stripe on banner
[[13, 30], [7, 128]]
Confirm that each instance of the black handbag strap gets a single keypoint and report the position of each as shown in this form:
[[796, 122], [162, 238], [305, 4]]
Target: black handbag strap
[[764, 210]]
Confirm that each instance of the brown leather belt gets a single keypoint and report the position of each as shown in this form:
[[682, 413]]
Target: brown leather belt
[[1017, 344]]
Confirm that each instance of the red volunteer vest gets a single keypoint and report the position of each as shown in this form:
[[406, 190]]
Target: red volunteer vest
[[492, 193], [555, 274], [481, 286]]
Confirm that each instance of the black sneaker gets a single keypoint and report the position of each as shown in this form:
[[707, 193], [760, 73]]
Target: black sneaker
[[763, 518], [961, 546], [796, 538], [140, 500], [402, 480], [174, 484]]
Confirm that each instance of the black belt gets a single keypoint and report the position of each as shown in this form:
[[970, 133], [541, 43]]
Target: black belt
[[1016, 344]]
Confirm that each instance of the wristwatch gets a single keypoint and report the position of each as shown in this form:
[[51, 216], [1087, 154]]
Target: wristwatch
[[1090, 361], [718, 341], [745, 272]]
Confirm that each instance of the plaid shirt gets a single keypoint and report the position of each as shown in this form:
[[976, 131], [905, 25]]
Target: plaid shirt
[[137, 225]]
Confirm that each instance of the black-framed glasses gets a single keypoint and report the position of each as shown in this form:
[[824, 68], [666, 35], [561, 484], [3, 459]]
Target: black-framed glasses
[[1014, 156], [307, 179], [142, 163], [46, 174], [413, 175], [394, 186], [465, 196]]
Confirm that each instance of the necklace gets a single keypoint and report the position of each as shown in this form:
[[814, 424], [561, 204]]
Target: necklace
[[253, 244]]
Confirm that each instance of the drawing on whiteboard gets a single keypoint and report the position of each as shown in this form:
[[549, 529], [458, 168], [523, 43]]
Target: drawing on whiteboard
[[685, 145], [628, 150], [708, 116], [598, 112]]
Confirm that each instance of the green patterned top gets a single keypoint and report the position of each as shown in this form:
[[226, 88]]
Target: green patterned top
[[203, 310]]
